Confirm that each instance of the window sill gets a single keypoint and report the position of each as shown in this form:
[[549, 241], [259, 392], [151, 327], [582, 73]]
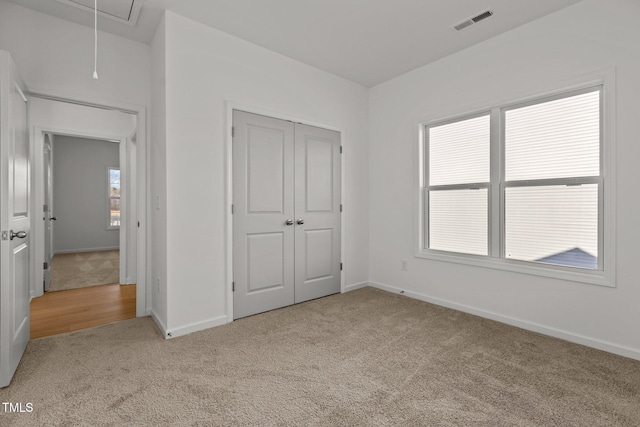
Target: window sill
[[591, 277]]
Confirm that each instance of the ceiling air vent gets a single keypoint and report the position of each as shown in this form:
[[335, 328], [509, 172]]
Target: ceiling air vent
[[470, 21], [482, 16], [464, 24]]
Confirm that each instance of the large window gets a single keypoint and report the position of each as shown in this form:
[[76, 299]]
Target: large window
[[518, 185], [113, 198]]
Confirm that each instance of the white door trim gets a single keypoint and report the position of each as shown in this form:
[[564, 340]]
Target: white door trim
[[229, 106], [143, 293]]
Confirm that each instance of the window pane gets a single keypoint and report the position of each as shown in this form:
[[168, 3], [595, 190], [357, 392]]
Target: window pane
[[459, 152], [555, 139], [114, 209], [114, 182], [114, 176], [458, 221], [553, 224], [114, 197]]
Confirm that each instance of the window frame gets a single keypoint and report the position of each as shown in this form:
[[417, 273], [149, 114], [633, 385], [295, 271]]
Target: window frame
[[108, 207], [605, 274], [452, 187]]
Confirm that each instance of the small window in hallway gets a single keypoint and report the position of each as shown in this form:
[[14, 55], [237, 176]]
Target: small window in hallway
[[113, 199]]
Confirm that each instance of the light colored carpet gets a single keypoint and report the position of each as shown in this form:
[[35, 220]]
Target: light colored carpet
[[84, 269], [363, 358]]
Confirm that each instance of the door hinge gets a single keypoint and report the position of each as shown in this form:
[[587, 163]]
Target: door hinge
[[341, 149], [233, 286], [232, 210], [44, 208], [138, 224], [45, 266], [340, 266], [233, 131], [340, 207]]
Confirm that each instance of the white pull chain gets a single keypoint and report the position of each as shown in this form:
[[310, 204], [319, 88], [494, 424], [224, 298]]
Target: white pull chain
[[95, 47]]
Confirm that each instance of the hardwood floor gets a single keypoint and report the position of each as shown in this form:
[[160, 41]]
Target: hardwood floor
[[66, 311]]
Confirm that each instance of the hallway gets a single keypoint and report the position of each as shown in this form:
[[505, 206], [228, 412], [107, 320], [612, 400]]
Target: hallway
[[72, 310]]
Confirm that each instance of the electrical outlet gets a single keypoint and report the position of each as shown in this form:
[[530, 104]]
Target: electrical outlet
[[404, 265], [158, 284]]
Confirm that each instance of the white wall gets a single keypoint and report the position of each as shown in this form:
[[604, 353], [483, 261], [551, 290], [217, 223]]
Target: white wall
[[204, 68], [80, 194], [158, 179], [57, 55], [61, 116], [589, 36]]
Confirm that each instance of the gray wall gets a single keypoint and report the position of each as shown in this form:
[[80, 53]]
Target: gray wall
[[80, 194]]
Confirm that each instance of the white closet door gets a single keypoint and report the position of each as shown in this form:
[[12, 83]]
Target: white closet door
[[263, 228], [317, 208], [286, 221]]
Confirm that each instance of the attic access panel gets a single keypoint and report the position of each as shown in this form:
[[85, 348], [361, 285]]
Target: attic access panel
[[124, 11]]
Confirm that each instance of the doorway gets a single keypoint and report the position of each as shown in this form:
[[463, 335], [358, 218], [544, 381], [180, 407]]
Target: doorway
[[83, 214], [286, 213], [87, 239]]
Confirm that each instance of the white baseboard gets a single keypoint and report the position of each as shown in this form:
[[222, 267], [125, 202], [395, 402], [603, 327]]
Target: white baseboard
[[159, 324], [354, 286], [530, 326], [194, 327], [73, 251]]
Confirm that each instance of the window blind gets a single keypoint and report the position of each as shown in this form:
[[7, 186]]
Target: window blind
[[459, 152], [458, 221], [555, 139]]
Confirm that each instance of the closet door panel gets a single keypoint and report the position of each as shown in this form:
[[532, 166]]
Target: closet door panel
[[263, 242], [317, 212]]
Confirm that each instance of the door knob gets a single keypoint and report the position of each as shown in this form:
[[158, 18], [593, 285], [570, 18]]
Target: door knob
[[53, 218], [19, 235], [300, 221], [289, 222]]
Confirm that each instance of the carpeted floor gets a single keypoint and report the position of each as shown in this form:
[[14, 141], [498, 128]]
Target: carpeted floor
[[362, 358], [84, 269]]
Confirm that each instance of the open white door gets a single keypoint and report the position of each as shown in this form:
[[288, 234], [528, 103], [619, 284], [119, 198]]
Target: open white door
[[14, 220], [47, 215]]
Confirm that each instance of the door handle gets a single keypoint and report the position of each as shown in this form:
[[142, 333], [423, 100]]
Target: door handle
[[53, 218], [289, 222], [300, 221], [19, 235]]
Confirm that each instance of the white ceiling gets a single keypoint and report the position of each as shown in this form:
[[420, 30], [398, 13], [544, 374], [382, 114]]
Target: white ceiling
[[366, 41]]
